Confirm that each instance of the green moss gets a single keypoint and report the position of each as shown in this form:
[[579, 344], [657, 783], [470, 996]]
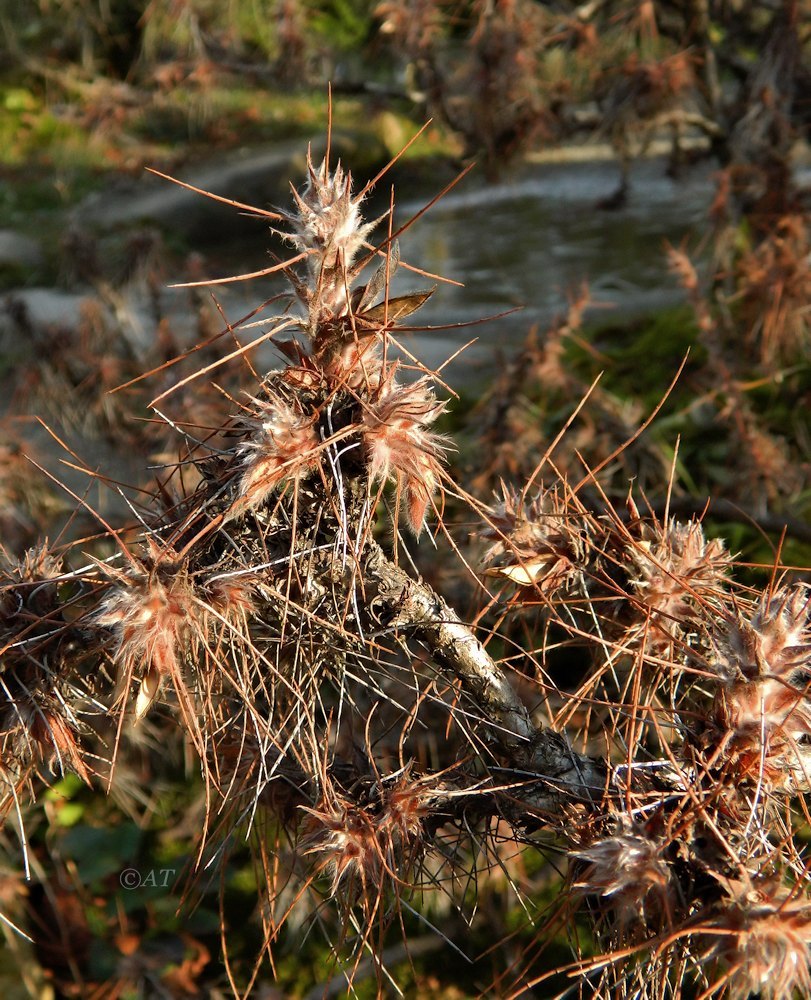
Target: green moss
[[31, 133], [640, 357]]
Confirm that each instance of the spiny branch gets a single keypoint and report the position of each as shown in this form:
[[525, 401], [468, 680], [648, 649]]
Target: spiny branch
[[553, 769]]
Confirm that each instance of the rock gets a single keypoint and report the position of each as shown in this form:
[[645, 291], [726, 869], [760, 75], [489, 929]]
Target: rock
[[51, 307], [18, 251], [39, 309]]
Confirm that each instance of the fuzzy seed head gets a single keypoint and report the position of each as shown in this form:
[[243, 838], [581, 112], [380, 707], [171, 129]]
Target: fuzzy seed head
[[328, 219], [344, 839], [283, 445], [764, 666], [150, 612], [361, 844], [674, 565], [400, 448], [328, 224], [404, 804]]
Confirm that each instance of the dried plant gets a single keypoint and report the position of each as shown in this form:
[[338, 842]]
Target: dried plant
[[491, 90], [772, 469], [640, 96], [619, 697], [775, 281]]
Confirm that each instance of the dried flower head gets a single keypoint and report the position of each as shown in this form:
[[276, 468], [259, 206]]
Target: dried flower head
[[328, 225], [344, 837], [628, 871], [763, 946], [763, 665], [151, 611], [37, 565], [283, 445], [540, 543], [362, 843], [673, 567], [400, 448]]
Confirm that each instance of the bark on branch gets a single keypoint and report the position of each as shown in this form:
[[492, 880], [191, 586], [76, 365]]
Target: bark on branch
[[553, 770]]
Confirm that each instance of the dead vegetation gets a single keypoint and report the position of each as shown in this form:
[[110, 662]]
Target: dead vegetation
[[624, 708]]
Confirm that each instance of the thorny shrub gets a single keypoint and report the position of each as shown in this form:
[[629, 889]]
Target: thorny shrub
[[621, 702]]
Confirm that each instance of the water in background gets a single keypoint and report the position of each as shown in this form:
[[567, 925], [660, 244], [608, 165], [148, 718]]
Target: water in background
[[531, 242], [528, 242]]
